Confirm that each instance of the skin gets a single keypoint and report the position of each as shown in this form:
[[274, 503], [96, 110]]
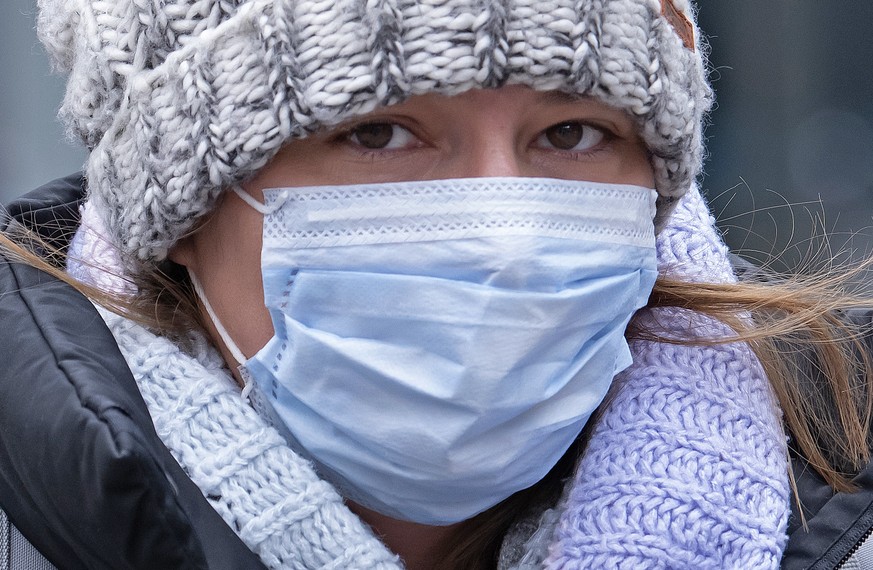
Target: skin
[[510, 131]]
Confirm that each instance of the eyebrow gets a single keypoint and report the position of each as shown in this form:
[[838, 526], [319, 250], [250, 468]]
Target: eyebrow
[[562, 97]]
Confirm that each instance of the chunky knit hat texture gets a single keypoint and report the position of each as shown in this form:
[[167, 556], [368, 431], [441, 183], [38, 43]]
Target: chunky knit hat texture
[[179, 99]]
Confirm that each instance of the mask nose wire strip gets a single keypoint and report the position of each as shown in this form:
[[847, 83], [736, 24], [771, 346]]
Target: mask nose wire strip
[[248, 199]]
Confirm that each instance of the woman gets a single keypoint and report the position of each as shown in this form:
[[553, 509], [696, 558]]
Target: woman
[[373, 267]]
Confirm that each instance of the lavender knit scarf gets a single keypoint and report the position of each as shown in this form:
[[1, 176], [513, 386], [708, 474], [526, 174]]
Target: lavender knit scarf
[[687, 467]]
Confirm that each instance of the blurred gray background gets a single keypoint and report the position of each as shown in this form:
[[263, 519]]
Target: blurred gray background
[[794, 122], [793, 125], [33, 149]]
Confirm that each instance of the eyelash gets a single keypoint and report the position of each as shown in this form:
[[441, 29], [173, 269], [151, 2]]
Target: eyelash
[[344, 138]]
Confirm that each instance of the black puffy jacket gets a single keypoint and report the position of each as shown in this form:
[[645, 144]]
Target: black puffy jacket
[[85, 478], [83, 475]]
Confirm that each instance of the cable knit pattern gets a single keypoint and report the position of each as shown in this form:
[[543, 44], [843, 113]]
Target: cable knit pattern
[[688, 466], [180, 99], [270, 496]]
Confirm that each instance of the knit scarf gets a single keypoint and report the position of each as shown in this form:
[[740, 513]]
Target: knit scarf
[[686, 467]]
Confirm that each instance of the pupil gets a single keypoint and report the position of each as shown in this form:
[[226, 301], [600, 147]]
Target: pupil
[[565, 136], [376, 135]]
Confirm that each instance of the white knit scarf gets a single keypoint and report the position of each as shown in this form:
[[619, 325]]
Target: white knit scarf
[[268, 494]]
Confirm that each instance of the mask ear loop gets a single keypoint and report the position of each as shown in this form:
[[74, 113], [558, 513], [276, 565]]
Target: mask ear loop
[[234, 350], [261, 208]]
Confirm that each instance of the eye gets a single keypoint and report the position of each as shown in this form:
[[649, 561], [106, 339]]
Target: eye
[[571, 136], [381, 136]]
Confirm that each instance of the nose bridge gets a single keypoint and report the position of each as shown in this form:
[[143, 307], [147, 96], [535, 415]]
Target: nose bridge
[[490, 152], [496, 158], [486, 132]]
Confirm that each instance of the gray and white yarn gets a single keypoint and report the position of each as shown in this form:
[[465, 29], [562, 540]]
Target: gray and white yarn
[[268, 494], [179, 99]]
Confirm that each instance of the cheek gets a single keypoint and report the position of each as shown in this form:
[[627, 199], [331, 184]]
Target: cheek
[[639, 169], [226, 256], [239, 267], [249, 321], [631, 164], [622, 162]]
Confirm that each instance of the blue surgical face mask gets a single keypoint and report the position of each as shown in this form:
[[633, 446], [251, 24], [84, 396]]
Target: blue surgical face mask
[[439, 345]]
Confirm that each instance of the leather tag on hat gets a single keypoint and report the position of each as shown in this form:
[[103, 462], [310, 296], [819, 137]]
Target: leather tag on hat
[[680, 22]]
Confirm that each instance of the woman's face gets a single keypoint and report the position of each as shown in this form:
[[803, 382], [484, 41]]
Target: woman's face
[[512, 131]]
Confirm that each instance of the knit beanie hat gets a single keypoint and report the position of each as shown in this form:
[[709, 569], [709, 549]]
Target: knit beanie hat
[[180, 99]]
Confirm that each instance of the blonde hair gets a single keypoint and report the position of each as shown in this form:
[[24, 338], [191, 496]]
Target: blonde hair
[[815, 358]]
